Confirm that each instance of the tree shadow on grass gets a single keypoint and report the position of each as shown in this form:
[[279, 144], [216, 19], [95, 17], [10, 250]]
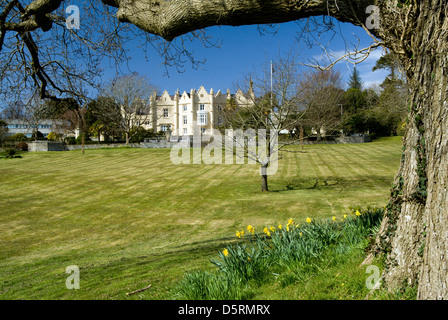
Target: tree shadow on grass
[[338, 183]]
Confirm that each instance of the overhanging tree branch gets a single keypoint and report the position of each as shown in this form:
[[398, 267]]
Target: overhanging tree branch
[[170, 19]]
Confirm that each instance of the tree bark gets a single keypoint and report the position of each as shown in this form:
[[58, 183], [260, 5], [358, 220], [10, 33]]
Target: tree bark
[[264, 178], [414, 233], [170, 19], [127, 138], [432, 99]]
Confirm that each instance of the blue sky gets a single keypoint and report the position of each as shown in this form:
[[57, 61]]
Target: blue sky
[[242, 50]]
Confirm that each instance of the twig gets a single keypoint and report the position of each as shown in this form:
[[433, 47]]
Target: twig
[[139, 290]]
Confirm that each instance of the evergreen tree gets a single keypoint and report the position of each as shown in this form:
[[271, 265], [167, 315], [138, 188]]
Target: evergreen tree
[[355, 81]]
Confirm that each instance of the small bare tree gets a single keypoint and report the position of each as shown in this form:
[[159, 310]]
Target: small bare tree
[[271, 105]]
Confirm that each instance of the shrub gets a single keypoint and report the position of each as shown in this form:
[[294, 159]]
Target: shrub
[[70, 140], [38, 135], [52, 136], [79, 138], [22, 145], [11, 153], [19, 137], [139, 134]]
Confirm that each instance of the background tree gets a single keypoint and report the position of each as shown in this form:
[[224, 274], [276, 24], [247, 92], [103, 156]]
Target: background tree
[[3, 131], [390, 62], [103, 117], [131, 94], [355, 81], [31, 112], [321, 92], [72, 115]]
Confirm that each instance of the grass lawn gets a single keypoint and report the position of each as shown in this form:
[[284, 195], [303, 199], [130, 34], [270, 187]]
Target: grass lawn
[[129, 217]]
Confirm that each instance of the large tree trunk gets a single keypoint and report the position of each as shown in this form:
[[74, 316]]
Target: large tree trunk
[[414, 232]]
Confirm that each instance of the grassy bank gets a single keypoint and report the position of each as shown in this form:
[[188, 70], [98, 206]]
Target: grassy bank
[[129, 217]]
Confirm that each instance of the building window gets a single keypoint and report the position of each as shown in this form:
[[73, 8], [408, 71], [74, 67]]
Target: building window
[[202, 107], [165, 127], [202, 119], [185, 120], [185, 107], [185, 130], [165, 113], [220, 120]]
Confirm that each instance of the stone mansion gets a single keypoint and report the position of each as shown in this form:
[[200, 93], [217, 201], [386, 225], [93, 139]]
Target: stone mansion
[[188, 113]]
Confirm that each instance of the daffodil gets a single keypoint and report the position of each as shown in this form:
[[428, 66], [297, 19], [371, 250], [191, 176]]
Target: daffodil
[[238, 234], [250, 229], [290, 222], [334, 218], [345, 216], [308, 220], [358, 213], [301, 234], [272, 229], [280, 226], [225, 252], [266, 230]]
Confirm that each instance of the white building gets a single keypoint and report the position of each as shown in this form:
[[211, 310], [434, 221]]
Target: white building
[[187, 113], [44, 126]]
